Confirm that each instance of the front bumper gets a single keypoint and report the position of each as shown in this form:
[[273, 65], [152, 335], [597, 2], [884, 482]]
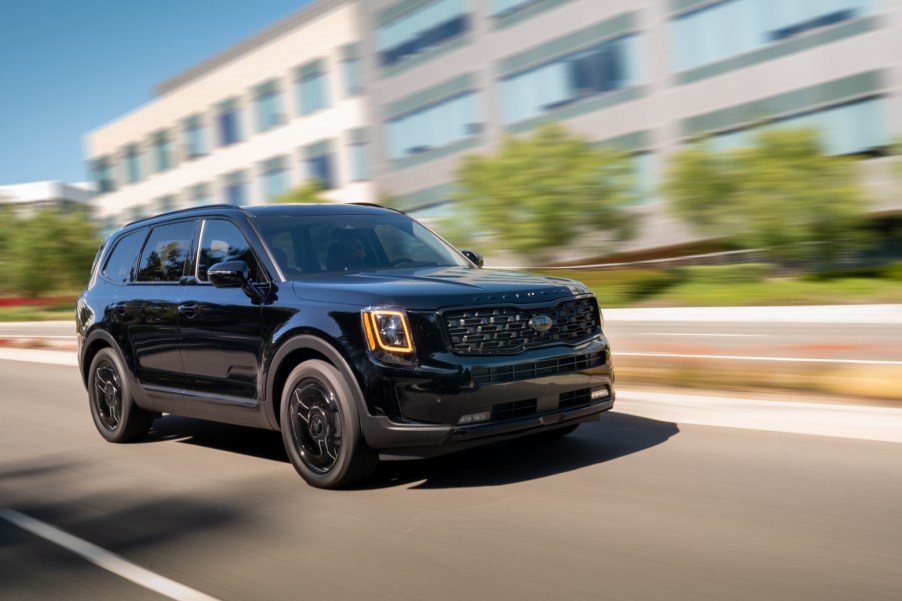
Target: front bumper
[[428, 408]]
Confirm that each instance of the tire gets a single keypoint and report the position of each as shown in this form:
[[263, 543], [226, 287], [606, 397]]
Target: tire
[[321, 428], [115, 414]]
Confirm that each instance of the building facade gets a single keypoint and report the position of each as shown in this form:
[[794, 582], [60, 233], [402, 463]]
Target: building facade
[[27, 198], [443, 78]]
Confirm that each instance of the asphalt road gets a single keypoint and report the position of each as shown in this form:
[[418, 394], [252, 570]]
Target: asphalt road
[[634, 507]]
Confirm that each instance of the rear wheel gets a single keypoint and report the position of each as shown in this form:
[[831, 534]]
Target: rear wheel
[[321, 428], [115, 414]]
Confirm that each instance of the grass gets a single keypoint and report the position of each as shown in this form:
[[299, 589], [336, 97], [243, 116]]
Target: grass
[[706, 287], [38, 313]]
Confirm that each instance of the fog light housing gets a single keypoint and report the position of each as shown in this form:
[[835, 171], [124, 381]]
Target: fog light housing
[[600, 393], [472, 418]]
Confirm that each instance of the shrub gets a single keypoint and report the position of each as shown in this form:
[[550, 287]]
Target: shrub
[[745, 273]]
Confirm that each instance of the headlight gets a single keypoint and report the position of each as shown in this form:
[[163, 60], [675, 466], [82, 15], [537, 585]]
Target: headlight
[[388, 330]]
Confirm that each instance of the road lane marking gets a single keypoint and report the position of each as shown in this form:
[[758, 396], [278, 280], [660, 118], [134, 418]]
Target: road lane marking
[[67, 358], [36, 336], [105, 559], [857, 422], [752, 358], [699, 334]]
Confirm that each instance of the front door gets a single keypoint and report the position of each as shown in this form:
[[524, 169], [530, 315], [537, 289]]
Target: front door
[[220, 328]]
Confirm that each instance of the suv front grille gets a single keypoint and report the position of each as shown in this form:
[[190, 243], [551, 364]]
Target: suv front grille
[[537, 369], [506, 329]]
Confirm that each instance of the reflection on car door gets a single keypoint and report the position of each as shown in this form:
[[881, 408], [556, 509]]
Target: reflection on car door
[[221, 341]]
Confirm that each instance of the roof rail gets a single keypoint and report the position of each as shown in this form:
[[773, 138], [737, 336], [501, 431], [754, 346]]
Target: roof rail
[[188, 210]]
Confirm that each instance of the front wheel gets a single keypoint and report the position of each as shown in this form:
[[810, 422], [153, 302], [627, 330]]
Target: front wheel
[[115, 414], [321, 429]]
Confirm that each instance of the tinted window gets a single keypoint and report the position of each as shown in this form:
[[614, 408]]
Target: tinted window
[[222, 241], [163, 259], [118, 267], [354, 242]]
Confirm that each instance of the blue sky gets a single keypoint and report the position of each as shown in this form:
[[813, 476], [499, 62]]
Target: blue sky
[[68, 66]]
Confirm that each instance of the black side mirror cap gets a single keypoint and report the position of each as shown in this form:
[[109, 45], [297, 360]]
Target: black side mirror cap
[[229, 274], [474, 256]]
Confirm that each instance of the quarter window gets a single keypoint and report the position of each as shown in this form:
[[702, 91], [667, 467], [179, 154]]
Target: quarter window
[[163, 259], [119, 266]]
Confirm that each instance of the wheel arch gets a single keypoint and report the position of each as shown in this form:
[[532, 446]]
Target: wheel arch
[[292, 353]]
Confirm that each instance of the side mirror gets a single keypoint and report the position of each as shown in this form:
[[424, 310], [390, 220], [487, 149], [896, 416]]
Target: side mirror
[[474, 256], [229, 274]]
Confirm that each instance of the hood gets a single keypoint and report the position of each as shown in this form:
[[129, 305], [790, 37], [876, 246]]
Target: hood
[[435, 288]]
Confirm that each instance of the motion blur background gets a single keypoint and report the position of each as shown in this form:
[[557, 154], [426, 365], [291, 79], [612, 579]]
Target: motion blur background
[[666, 152]]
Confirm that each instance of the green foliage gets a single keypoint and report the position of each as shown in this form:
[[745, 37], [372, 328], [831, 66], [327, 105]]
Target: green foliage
[[781, 195], [542, 193], [49, 251], [893, 271], [310, 193], [747, 273], [620, 288], [9, 225]]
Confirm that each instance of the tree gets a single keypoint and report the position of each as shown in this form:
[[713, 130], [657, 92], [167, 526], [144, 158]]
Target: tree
[[309, 193], [9, 225], [540, 194], [781, 195], [51, 251]]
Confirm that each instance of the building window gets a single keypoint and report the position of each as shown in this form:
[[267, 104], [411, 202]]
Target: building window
[[359, 160], [313, 87], [853, 128], [733, 27], [199, 195], [421, 29], [610, 66], [274, 177], [162, 152], [229, 120], [234, 188], [506, 7], [268, 106], [132, 164], [434, 126], [352, 69], [164, 204], [195, 137], [102, 175], [319, 164]]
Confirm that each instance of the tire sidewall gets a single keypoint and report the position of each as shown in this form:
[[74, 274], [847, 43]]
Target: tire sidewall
[[119, 434], [329, 375]]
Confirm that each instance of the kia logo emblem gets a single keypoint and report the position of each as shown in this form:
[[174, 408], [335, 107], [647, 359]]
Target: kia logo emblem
[[541, 323]]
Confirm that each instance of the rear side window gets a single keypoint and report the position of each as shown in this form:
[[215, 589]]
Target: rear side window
[[163, 259], [119, 266]]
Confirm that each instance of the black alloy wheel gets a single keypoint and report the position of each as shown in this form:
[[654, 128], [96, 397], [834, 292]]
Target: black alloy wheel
[[115, 414], [321, 429], [315, 423]]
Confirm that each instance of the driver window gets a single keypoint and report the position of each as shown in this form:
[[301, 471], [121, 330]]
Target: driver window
[[222, 241]]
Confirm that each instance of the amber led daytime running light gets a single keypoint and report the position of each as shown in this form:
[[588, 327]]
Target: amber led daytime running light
[[375, 326]]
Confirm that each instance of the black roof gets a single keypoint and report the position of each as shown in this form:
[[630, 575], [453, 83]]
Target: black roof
[[286, 210]]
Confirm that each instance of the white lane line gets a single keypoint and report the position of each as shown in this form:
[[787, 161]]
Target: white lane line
[[745, 358], [821, 419], [36, 336], [105, 559], [39, 356], [703, 335]]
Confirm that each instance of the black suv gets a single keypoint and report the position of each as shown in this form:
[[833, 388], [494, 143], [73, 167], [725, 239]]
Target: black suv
[[353, 329]]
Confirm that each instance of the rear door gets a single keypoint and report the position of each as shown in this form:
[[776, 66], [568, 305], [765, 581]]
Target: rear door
[[148, 307]]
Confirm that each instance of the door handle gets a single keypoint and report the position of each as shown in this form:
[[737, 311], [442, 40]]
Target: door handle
[[188, 310]]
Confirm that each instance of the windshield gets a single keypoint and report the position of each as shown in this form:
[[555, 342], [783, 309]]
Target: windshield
[[336, 243]]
